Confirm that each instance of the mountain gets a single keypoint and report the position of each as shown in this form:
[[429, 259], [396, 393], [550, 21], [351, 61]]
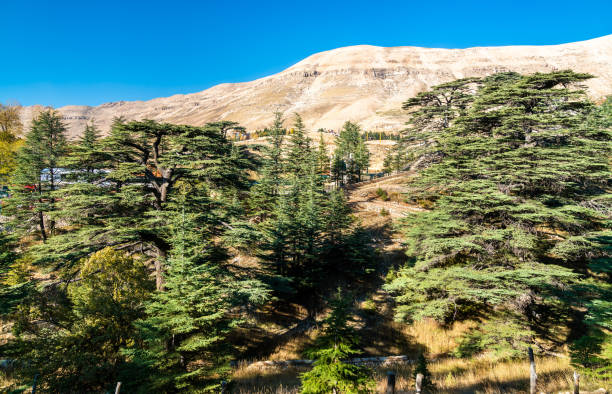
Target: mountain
[[363, 83]]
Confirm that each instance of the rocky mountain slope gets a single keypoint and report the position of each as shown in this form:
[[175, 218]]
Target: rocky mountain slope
[[366, 84]]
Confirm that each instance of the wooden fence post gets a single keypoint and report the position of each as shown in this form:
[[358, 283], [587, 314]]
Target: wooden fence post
[[576, 383], [533, 376], [118, 388], [419, 383], [390, 383], [34, 384]]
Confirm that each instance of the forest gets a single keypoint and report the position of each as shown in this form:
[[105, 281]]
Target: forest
[[163, 256]]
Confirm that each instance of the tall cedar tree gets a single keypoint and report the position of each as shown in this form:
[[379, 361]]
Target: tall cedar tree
[[124, 203], [518, 202], [184, 337], [264, 194], [322, 157], [37, 176], [129, 202], [86, 157], [592, 352], [331, 372], [307, 239], [351, 157], [298, 147]]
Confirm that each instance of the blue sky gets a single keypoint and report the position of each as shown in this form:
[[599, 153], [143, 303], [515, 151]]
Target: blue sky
[[90, 52]]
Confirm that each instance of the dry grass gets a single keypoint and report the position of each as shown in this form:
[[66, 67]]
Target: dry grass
[[449, 376], [437, 340]]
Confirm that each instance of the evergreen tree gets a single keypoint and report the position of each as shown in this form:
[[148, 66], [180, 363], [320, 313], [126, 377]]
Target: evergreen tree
[[515, 200], [436, 108], [124, 203], [86, 156], [264, 194], [331, 372], [185, 345], [225, 125], [37, 176], [298, 148], [338, 169], [73, 338], [351, 153], [322, 157], [305, 237]]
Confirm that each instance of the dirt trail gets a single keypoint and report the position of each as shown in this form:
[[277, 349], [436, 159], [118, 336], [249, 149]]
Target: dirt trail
[[363, 196]]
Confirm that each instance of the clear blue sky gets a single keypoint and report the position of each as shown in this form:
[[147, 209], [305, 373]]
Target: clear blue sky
[[93, 51]]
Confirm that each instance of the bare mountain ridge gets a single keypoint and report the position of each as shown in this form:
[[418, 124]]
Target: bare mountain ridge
[[366, 84]]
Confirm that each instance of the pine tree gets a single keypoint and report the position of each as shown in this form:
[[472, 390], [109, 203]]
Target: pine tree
[[338, 169], [516, 165], [37, 176], [86, 156], [124, 203], [264, 194], [185, 333], [305, 237], [322, 157], [351, 153], [331, 372], [298, 147]]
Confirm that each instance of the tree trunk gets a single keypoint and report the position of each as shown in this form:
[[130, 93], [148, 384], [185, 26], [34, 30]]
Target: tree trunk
[[159, 269], [159, 279], [41, 223]]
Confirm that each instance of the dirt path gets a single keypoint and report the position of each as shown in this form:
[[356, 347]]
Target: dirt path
[[363, 197]]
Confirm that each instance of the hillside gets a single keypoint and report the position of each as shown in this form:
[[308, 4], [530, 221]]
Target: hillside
[[366, 84]]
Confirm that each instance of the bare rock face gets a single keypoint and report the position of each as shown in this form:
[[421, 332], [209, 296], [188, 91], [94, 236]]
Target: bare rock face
[[365, 84]]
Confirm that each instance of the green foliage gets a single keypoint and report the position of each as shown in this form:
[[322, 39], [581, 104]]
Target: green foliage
[[351, 157], [517, 181], [382, 194], [36, 176], [264, 194], [125, 183], [297, 148], [322, 157], [185, 333], [73, 339], [502, 337], [305, 232], [125, 192], [331, 372], [86, 158]]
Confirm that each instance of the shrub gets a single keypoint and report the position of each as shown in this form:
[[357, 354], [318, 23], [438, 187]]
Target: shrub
[[382, 194]]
